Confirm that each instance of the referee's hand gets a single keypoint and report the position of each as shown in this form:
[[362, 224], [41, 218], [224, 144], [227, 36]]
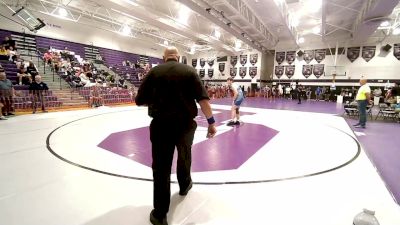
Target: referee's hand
[[211, 131]]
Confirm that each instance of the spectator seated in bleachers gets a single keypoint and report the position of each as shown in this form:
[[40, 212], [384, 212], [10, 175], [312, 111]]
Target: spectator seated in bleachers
[[12, 54], [23, 77], [7, 94], [3, 53], [74, 81], [38, 90], [9, 42], [18, 61], [32, 70], [84, 79]]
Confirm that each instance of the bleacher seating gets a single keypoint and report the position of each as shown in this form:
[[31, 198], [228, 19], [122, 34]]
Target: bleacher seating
[[46, 43], [11, 70], [110, 96], [24, 101]]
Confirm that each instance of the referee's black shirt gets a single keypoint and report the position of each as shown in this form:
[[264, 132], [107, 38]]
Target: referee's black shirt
[[170, 91]]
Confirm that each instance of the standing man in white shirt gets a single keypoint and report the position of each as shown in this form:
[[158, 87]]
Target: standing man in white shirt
[[363, 97]]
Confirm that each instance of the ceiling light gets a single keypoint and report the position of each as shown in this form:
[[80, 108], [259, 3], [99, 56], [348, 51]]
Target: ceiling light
[[62, 12], [295, 21], [217, 34], [183, 15], [131, 2], [166, 43], [126, 30], [238, 44], [396, 31], [301, 40], [279, 2], [192, 50], [385, 24], [316, 30], [313, 5]]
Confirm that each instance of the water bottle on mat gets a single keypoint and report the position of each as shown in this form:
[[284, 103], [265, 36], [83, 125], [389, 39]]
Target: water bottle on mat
[[366, 217]]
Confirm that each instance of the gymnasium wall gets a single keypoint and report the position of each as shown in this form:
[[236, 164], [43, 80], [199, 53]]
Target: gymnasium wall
[[382, 67], [82, 32], [221, 76]]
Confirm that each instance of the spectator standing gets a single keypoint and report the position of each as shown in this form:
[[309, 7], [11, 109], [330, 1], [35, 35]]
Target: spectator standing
[[7, 93], [38, 89], [363, 97]]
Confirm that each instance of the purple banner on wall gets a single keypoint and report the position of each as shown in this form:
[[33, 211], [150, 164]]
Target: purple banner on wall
[[253, 72], [202, 73], [210, 62], [242, 72], [233, 72], [307, 70], [289, 71], [202, 62], [243, 59], [210, 73], [194, 63], [290, 57], [279, 71], [320, 55], [234, 60], [221, 67], [318, 70], [396, 51], [280, 57], [353, 53], [368, 52], [253, 59], [308, 56]]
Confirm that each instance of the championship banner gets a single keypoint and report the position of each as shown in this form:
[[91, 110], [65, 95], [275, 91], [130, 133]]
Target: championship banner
[[318, 70], [279, 71], [184, 60], [234, 60], [353, 53], [233, 72], [202, 73], [253, 59], [221, 67], [289, 71], [194, 63], [290, 57], [242, 72], [202, 62], [279, 57], [368, 52], [253, 72], [210, 62], [307, 70], [210, 73], [320, 55], [243, 59], [396, 51], [308, 55]]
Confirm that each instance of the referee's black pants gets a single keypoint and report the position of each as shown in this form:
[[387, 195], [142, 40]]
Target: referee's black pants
[[165, 135]]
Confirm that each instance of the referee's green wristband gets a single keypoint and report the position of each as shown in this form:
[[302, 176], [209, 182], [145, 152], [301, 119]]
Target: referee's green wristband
[[211, 120]]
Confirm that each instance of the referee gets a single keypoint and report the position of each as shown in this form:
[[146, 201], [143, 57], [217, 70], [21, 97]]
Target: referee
[[170, 91]]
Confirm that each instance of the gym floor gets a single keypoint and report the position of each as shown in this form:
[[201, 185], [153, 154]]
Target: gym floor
[[285, 164]]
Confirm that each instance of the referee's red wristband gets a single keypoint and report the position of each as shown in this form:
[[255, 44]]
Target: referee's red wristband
[[211, 120]]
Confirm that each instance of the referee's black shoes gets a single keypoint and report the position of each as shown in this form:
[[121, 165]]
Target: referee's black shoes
[[157, 221], [186, 191]]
